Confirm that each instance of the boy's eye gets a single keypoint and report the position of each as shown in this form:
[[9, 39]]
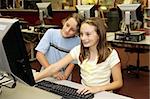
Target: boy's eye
[[67, 25], [73, 30]]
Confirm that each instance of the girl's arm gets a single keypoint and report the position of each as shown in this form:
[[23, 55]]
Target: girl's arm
[[50, 70], [117, 81]]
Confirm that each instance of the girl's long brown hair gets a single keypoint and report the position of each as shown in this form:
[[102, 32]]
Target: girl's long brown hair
[[102, 47]]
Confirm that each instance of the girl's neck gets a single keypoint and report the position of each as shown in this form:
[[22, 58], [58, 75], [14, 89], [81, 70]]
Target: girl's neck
[[93, 54]]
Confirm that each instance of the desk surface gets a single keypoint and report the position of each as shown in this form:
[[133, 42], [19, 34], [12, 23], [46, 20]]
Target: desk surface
[[22, 91], [26, 92]]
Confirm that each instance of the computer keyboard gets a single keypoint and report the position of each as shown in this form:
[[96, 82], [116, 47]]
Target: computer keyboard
[[62, 90]]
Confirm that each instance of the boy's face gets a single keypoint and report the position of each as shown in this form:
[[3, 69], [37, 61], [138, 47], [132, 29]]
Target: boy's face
[[69, 28]]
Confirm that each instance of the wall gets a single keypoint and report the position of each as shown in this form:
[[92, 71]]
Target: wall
[[32, 16]]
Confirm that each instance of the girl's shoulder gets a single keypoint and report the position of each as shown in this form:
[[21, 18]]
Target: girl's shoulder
[[113, 52], [76, 47]]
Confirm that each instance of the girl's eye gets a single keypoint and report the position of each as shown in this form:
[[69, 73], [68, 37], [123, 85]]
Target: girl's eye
[[88, 34], [81, 34]]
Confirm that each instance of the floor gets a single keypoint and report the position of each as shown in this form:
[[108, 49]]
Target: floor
[[138, 88]]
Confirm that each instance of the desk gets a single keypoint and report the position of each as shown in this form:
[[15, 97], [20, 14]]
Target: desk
[[145, 44], [138, 47], [27, 92]]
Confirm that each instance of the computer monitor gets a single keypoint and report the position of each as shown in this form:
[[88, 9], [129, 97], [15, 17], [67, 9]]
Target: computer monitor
[[127, 8], [13, 55], [45, 10], [86, 10], [126, 34]]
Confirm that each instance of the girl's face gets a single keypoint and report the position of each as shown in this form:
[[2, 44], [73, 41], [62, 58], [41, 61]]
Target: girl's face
[[88, 35], [69, 28]]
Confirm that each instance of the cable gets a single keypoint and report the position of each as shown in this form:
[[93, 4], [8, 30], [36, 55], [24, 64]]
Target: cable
[[2, 77], [12, 86]]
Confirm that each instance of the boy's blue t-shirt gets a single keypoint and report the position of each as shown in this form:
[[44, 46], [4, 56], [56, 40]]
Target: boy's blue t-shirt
[[55, 46]]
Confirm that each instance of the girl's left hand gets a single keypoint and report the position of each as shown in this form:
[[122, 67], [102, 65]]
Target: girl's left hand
[[86, 90]]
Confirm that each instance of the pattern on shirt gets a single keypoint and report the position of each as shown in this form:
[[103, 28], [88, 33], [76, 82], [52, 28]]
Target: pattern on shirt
[[59, 48]]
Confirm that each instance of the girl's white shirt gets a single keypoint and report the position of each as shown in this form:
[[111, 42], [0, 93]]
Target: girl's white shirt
[[95, 74]]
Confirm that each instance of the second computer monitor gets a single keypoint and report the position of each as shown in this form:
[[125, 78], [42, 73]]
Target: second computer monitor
[[46, 8], [45, 11], [86, 10]]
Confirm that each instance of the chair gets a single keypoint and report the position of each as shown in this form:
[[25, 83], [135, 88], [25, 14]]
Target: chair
[[135, 70], [76, 74]]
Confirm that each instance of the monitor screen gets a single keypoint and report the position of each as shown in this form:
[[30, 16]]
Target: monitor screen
[[46, 8], [127, 15], [45, 11], [86, 10], [14, 59]]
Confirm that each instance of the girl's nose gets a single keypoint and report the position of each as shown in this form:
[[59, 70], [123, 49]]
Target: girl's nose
[[83, 37]]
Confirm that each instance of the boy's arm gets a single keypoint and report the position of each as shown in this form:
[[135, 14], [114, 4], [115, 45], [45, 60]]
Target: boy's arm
[[42, 59], [44, 62], [65, 75], [68, 70], [50, 70]]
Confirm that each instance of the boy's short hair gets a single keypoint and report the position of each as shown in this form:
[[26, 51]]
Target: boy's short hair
[[79, 18]]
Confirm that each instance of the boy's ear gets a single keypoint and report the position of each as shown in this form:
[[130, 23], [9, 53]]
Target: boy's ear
[[63, 21]]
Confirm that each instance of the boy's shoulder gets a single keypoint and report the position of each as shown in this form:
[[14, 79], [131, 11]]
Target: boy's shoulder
[[53, 30]]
